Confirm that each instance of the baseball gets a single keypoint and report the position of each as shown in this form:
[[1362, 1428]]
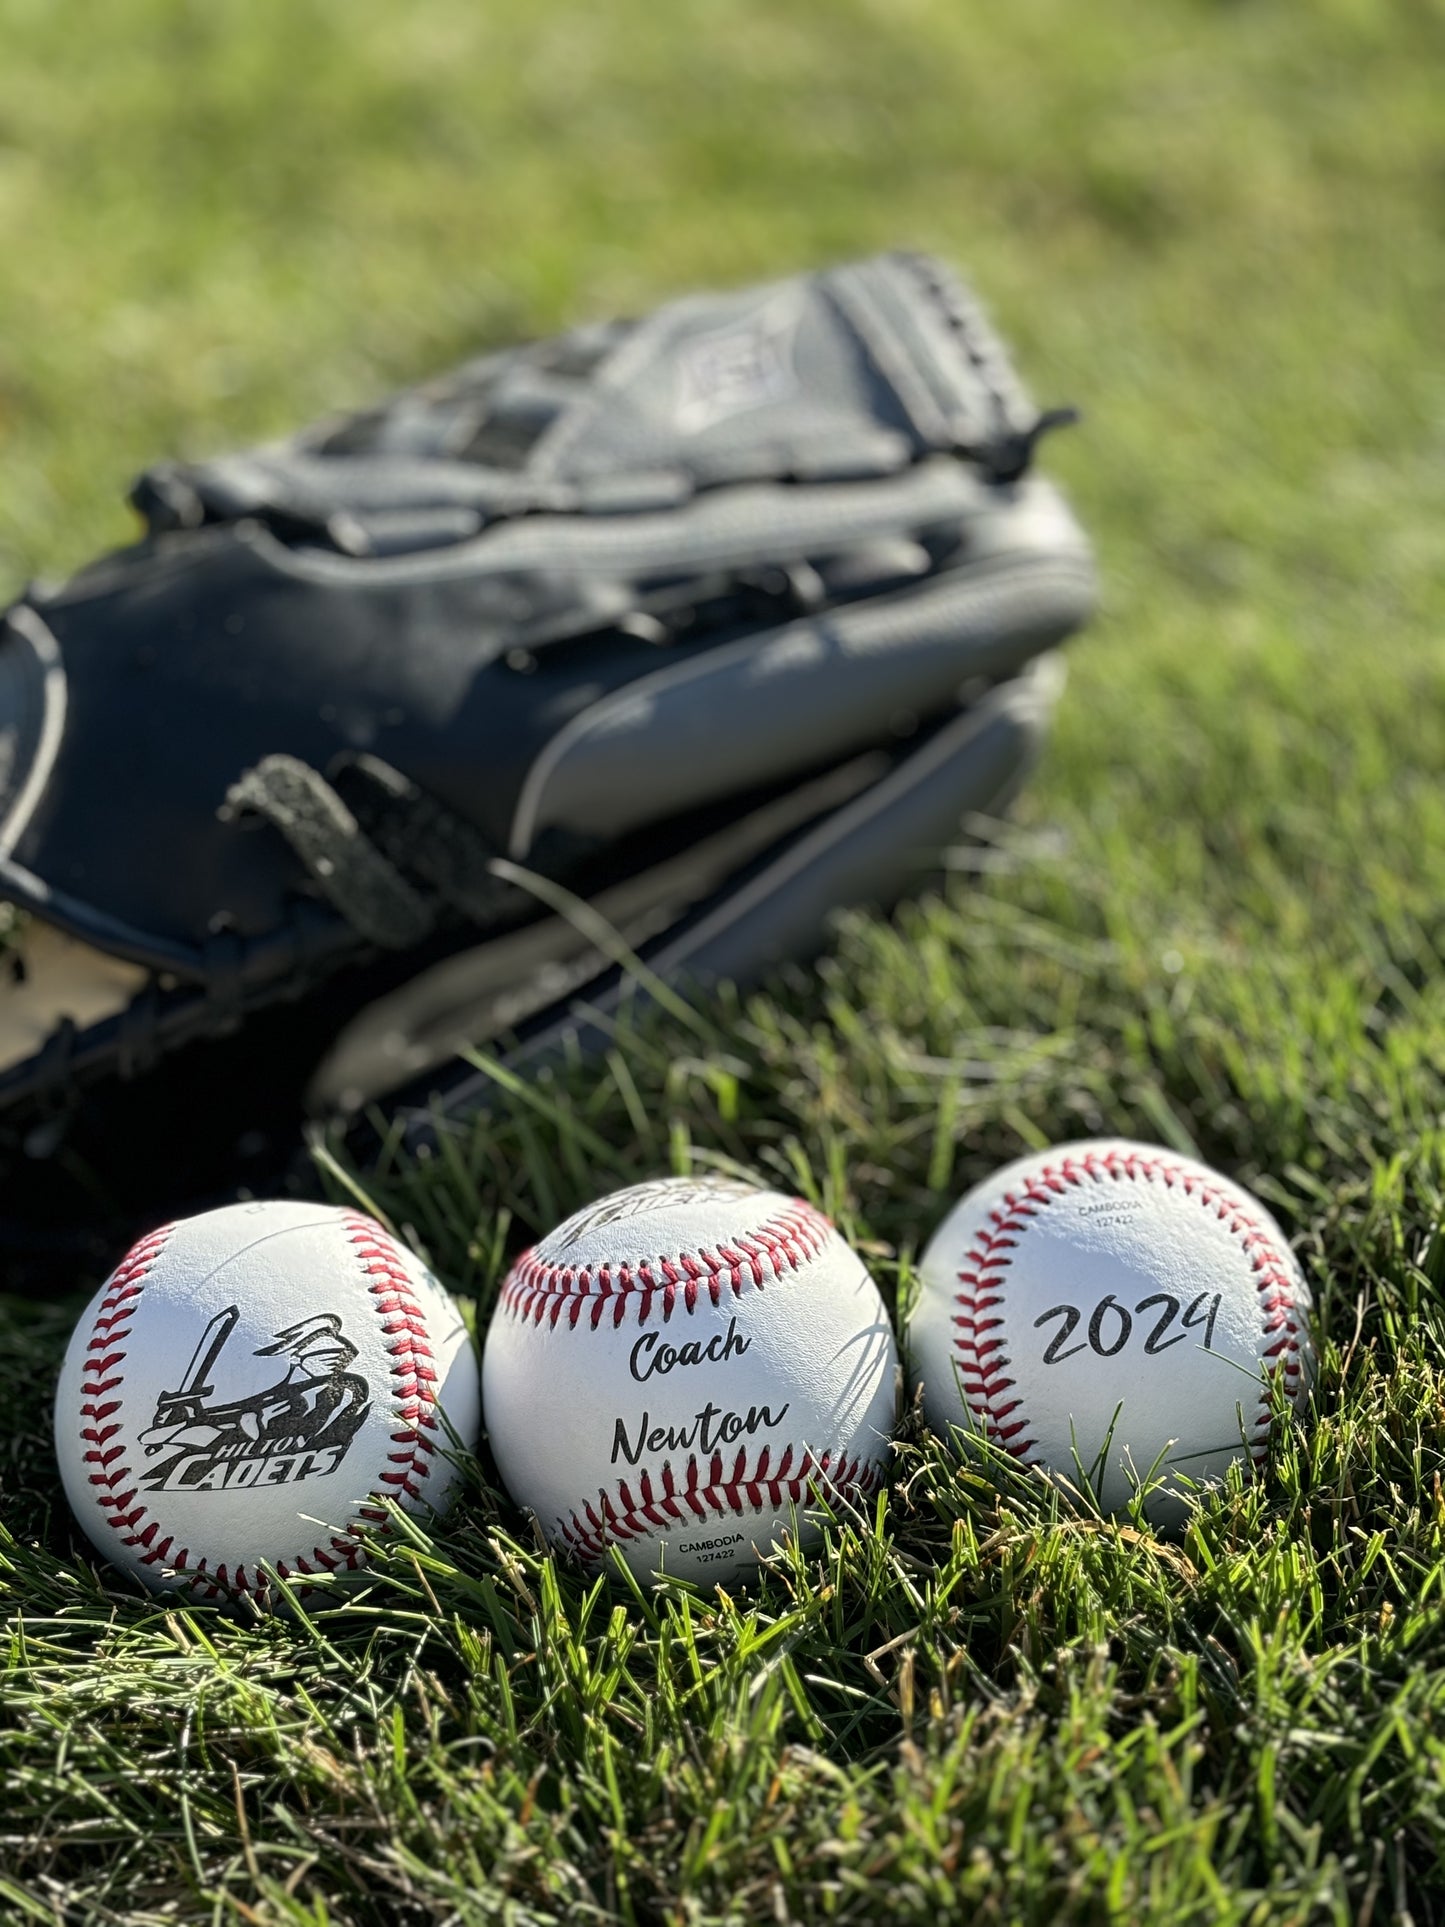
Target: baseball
[[1114, 1309], [678, 1368], [244, 1386]]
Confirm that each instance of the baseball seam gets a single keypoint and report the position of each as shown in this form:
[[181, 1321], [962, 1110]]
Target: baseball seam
[[983, 1359], [701, 1496], [546, 1293], [413, 1374]]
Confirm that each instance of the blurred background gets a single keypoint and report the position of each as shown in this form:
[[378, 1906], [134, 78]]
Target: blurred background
[[1215, 225]]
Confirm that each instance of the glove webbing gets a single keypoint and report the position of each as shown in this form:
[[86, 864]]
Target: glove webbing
[[361, 859]]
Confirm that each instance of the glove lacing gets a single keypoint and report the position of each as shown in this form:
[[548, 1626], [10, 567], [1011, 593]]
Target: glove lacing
[[390, 860]]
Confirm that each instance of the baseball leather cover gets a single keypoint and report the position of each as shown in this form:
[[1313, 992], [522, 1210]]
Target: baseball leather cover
[[679, 1370], [249, 1386], [1113, 1311], [713, 621]]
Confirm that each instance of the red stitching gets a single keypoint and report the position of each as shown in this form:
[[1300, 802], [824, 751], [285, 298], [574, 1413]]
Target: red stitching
[[544, 1292], [983, 1361], [105, 1350], [664, 1501], [413, 1370], [413, 1366]]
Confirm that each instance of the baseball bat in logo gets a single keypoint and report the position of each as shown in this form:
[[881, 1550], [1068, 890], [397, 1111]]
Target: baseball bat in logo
[[298, 1427]]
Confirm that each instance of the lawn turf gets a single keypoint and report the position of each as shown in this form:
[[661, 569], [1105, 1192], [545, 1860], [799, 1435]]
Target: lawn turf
[[1216, 921]]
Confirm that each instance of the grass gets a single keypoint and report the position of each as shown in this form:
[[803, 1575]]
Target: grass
[[1216, 922]]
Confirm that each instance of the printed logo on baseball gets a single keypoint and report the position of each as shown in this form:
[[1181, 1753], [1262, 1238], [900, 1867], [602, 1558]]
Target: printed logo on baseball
[[1113, 1306], [678, 1368], [248, 1372]]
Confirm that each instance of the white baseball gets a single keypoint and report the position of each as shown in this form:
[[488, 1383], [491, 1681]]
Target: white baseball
[[1114, 1307], [678, 1368], [244, 1386]]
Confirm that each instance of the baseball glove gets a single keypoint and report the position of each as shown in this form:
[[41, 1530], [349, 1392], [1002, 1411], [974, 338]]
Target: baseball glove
[[711, 622]]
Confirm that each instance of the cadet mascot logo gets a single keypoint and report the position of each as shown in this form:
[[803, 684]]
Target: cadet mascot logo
[[298, 1428]]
